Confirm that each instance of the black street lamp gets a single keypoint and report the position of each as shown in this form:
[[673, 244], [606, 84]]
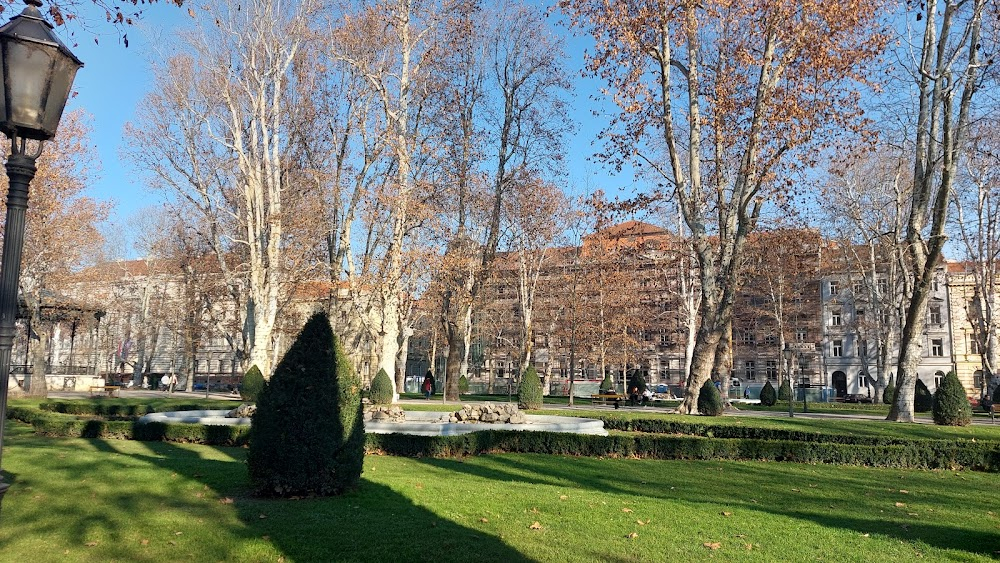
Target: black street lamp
[[38, 71], [789, 354]]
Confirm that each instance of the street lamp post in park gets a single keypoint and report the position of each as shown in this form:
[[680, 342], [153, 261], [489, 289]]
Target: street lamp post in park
[[789, 354], [37, 71]]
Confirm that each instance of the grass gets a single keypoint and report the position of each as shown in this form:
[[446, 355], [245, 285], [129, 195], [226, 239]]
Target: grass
[[96, 500]]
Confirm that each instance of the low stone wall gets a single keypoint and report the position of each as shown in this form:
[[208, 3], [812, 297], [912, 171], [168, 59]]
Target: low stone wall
[[490, 413], [384, 413]]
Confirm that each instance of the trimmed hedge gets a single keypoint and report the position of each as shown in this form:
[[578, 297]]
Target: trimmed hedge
[[768, 396], [607, 384], [653, 438], [709, 400], [636, 381], [380, 392], [889, 394], [252, 384], [529, 393], [784, 390], [923, 401], [951, 405]]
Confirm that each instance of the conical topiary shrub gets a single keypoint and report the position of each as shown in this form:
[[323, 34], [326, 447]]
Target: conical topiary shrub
[[768, 396], [709, 400], [637, 381], [529, 394], [923, 401], [463, 385], [951, 406], [607, 386], [252, 384], [784, 391], [380, 392], [889, 394], [307, 436]]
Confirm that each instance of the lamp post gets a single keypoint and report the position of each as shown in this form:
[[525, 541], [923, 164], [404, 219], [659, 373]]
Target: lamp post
[[788, 353], [38, 72], [804, 385]]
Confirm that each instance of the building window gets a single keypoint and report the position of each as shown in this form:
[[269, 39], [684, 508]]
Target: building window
[[664, 338], [857, 288], [883, 287], [937, 347], [771, 369], [938, 377], [801, 334], [770, 339], [977, 379], [838, 348], [748, 370], [935, 314], [836, 317], [747, 337], [934, 285], [974, 345], [863, 349], [834, 287]]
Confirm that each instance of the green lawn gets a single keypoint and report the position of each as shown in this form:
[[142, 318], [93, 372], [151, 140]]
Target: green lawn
[[97, 500]]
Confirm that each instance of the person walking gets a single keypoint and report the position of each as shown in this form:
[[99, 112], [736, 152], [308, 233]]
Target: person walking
[[173, 381], [428, 385]]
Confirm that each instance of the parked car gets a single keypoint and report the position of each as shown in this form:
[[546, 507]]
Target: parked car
[[857, 398]]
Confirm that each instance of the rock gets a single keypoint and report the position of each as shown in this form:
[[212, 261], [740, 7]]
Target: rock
[[518, 418], [242, 411], [489, 417]]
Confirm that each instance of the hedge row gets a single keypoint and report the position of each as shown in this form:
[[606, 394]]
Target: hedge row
[[665, 426], [933, 455], [716, 442], [118, 410]]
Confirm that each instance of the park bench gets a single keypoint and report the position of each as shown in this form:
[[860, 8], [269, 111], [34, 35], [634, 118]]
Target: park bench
[[110, 390], [604, 398]]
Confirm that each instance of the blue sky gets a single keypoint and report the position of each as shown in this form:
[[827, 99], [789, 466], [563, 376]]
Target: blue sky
[[115, 79]]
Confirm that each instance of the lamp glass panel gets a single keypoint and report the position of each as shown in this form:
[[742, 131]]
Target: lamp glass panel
[[28, 70], [63, 73]]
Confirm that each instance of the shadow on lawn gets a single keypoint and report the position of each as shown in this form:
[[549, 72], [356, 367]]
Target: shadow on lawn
[[372, 523], [849, 501]]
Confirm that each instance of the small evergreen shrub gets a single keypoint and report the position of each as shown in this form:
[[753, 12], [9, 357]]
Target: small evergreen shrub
[[709, 400], [529, 394], [253, 383], [607, 386], [784, 391], [768, 396], [380, 392], [923, 401], [637, 381], [951, 406], [463, 385], [889, 394], [996, 394], [307, 437]]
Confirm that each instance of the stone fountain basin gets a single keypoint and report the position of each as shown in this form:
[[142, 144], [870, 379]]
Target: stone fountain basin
[[418, 423]]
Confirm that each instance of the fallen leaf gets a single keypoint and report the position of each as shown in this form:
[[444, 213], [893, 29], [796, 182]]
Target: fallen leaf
[[225, 500], [640, 522], [727, 514], [904, 491], [563, 497], [91, 544], [866, 535], [796, 491], [749, 546], [912, 514], [144, 542], [419, 486], [483, 520], [262, 516], [632, 536], [741, 536], [536, 525], [626, 509], [178, 533], [900, 504], [534, 510], [712, 545]]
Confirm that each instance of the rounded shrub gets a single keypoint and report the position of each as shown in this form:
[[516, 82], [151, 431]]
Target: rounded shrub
[[307, 437], [951, 405], [923, 401], [768, 396], [529, 393], [889, 393], [463, 385], [380, 392], [252, 384], [607, 386], [709, 400], [637, 381], [784, 391]]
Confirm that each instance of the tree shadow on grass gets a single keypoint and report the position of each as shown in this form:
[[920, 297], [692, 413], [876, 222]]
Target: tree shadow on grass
[[372, 523], [866, 506]]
